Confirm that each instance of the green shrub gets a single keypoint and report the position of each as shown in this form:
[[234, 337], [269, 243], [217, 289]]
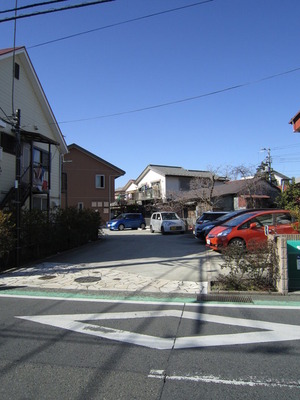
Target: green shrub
[[7, 233], [253, 269], [44, 233]]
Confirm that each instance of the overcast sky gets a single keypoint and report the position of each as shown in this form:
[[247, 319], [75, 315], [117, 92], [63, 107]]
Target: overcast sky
[[199, 85]]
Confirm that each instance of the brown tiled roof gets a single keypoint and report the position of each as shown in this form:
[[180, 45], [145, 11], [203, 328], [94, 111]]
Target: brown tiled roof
[[9, 50]]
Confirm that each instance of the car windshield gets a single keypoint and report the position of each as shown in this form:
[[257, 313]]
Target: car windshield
[[168, 216], [227, 216], [120, 216], [239, 219], [205, 217]]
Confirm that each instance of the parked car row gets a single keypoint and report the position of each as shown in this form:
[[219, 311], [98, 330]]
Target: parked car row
[[243, 227], [216, 229], [127, 221], [164, 222]]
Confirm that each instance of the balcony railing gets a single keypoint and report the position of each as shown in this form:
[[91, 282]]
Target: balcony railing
[[148, 194]]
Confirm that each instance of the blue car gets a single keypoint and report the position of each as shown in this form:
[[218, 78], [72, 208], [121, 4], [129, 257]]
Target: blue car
[[127, 221]]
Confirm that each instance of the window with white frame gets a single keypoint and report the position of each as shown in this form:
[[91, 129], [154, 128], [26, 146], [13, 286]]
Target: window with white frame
[[40, 203], [100, 181]]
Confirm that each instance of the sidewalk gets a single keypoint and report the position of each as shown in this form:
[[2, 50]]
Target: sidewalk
[[92, 279]]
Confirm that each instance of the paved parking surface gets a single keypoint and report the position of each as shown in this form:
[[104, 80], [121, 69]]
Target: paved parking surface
[[136, 261]]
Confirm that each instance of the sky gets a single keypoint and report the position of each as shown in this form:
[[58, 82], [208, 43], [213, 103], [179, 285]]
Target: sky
[[198, 84]]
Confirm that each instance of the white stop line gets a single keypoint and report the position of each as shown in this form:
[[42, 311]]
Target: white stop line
[[265, 332], [160, 374]]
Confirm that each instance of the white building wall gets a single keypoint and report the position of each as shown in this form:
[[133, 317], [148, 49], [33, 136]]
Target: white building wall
[[132, 187], [32, 117], [151, 177]]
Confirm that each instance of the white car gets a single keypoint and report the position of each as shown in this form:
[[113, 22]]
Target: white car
[[166, 222]]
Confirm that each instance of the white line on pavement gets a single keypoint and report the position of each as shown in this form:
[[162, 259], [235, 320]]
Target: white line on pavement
[[160, 374]]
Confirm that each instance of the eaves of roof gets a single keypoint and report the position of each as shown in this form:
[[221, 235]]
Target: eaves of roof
[[295, 118], [236, 187], [167, 170], [101, 160], [32, 76]]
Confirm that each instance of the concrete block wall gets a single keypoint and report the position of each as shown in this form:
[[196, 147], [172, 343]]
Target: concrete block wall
[[281, 242]]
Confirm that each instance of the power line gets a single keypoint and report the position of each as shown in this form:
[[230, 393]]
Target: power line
[[54, 10], [31, 6], [285, 147], [186, 99], [121, 23]]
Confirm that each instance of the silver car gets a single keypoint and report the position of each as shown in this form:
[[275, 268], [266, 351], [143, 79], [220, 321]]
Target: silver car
[[166, 222]]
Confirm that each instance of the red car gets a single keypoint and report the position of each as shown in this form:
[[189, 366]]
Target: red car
[[249, 227]]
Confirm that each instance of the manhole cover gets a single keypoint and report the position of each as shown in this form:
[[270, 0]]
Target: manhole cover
[[45, 277], [88, 279]]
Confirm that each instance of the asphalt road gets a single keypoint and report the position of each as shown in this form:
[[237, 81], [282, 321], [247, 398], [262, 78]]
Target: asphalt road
[[67, 349], [174, 257], [85, 348]]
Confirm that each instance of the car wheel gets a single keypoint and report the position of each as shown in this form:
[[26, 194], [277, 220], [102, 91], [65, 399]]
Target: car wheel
[[121, 227], [162, 230], [143, 226], [151, 229], [238, 243]]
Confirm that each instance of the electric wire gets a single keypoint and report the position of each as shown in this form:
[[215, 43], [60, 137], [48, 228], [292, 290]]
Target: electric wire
[[120, 23], [187, 99], [31, 6], [34, 14]]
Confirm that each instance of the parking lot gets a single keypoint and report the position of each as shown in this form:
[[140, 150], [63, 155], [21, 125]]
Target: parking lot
[[132, 261], [171, 256]]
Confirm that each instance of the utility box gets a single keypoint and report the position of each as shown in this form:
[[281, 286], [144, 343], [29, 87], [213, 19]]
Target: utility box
[[293, 252]]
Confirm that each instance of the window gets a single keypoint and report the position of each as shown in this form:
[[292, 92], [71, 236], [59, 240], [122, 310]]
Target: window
[[40, 203], [41, 157], [17, 71], [283, 219], [264, 220], [80, 206], [100, 181], [8, 143]]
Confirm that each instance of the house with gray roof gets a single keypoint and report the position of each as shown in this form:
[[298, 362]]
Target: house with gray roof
[[157, 182], [246, 193]]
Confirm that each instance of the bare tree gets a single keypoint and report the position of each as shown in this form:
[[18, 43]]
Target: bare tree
[[200, 191], [252, 184]]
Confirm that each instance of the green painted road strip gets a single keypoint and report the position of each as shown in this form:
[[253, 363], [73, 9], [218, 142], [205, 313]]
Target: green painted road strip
[[137, 298]]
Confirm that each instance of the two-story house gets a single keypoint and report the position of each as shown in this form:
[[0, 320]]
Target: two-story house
[[31, 143], [89, 181], [159, 182]]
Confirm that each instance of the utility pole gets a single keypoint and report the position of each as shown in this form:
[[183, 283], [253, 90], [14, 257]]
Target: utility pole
[[17, 186], [269, 163]]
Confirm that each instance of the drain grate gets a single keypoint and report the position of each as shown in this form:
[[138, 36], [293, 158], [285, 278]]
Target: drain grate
[[224, 298], [47, 277], [88, 279]]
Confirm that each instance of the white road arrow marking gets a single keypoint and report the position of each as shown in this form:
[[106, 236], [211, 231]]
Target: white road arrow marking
[[266, 332]]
